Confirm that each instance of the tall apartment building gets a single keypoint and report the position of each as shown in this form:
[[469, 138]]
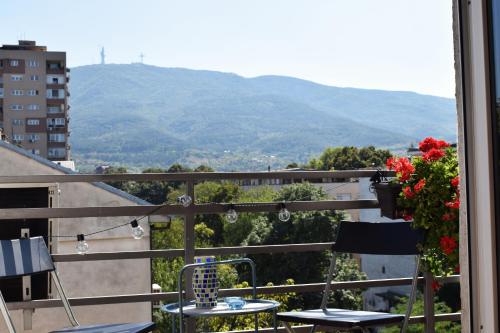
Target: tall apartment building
[[34, 99]]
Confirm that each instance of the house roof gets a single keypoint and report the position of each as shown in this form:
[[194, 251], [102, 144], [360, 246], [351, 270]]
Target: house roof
[[64, 170]]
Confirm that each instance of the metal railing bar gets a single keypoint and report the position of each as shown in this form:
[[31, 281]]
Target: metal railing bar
[[174, 253], [172, 296], [212, 208], [188, 176]]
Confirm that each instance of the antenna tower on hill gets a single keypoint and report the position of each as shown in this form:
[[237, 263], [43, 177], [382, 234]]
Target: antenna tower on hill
[[103, 56]]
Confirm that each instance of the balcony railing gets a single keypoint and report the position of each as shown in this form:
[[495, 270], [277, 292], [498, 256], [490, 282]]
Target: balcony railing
[[189, 250]]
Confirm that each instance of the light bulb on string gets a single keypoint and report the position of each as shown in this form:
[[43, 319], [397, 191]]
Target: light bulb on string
[[137, 230], [231, 214], [283, 214], [185, 200], [82, 247]]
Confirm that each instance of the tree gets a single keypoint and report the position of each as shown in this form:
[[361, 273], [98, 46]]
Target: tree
[[121, 185], [349, 158], [203, 168], [154, 192], [418, 309], [303, 227]]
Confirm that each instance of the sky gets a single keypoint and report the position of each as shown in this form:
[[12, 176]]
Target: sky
[[385, 44]]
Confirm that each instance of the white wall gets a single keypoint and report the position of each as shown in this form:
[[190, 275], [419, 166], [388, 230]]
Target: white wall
[[91, 278]]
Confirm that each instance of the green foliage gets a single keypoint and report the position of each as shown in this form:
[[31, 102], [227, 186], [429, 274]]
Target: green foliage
[[418, 310], [350, 158], [430, 193]]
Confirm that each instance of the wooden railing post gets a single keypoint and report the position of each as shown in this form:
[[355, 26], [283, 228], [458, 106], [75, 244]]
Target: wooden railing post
[[430, 320], [189, 246]]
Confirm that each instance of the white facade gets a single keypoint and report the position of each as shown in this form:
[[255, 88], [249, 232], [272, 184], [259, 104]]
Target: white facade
[[91, 278]]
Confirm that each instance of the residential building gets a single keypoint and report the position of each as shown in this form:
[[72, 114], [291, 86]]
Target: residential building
[[34, 99]]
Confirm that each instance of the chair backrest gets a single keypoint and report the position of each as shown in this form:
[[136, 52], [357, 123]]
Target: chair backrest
[[20, 257], [393, 238]]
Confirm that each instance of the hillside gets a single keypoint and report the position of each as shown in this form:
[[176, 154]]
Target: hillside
[[140, 115]]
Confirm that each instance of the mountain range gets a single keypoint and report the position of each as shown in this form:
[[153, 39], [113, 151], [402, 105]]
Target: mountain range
[[139, 116]]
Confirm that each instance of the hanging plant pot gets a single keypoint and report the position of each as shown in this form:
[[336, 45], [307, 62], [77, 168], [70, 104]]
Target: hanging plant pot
[[387, 196]]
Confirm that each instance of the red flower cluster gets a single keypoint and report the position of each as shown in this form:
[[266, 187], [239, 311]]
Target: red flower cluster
[[402, 166], [407, 191], [407, 217], [433, 155], [435, 285], [455, 204], [455, 181], [448, 244], [420, 185], [430, 143]]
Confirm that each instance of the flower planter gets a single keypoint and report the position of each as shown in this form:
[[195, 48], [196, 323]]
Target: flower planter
[[387, 195]]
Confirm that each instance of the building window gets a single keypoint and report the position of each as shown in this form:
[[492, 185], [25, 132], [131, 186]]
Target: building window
[[34, 138], [17, 92], [1, 92], [17, 122], [57, 152], [59, 121], [33, 107], [16, 77], [16, 107], [18, 137], [57, 137], [14, 63], [55, 109], [33, 63], [35, 151], [33, 122], [34, 77], [32, 92]]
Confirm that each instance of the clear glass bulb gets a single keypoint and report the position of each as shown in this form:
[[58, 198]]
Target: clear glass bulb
[[284, 214], [138, 232], [185, 200], [231, 215], [82, 247]]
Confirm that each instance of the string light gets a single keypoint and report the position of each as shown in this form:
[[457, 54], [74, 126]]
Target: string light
[[82, 247], [231, 214], [137, 230], [283, 214], [185, 200]]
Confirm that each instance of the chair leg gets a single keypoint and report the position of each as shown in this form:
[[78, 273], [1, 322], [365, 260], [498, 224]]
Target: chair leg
[[6, 316], [313, 329]]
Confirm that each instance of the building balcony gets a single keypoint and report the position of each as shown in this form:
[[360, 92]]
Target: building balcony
[[190, 250]]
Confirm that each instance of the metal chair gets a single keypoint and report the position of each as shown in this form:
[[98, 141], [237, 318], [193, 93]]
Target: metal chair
[[21, 257], [394, 238]]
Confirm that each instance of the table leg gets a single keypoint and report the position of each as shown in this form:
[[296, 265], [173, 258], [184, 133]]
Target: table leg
[[256, 323], [174, 329]]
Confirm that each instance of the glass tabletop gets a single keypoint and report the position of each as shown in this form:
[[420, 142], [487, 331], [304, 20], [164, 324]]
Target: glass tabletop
[[222, 309]]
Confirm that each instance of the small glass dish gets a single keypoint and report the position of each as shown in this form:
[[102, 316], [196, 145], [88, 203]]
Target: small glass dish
[[235, 303]]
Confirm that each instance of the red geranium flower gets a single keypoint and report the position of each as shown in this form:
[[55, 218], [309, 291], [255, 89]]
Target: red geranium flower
[[402, 166], [420, 185], [448, 244], [407, 217], [457, 269], [453, 204], [435, 285], [431, 143], [408, 193], [433, 155], [455, 181]]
